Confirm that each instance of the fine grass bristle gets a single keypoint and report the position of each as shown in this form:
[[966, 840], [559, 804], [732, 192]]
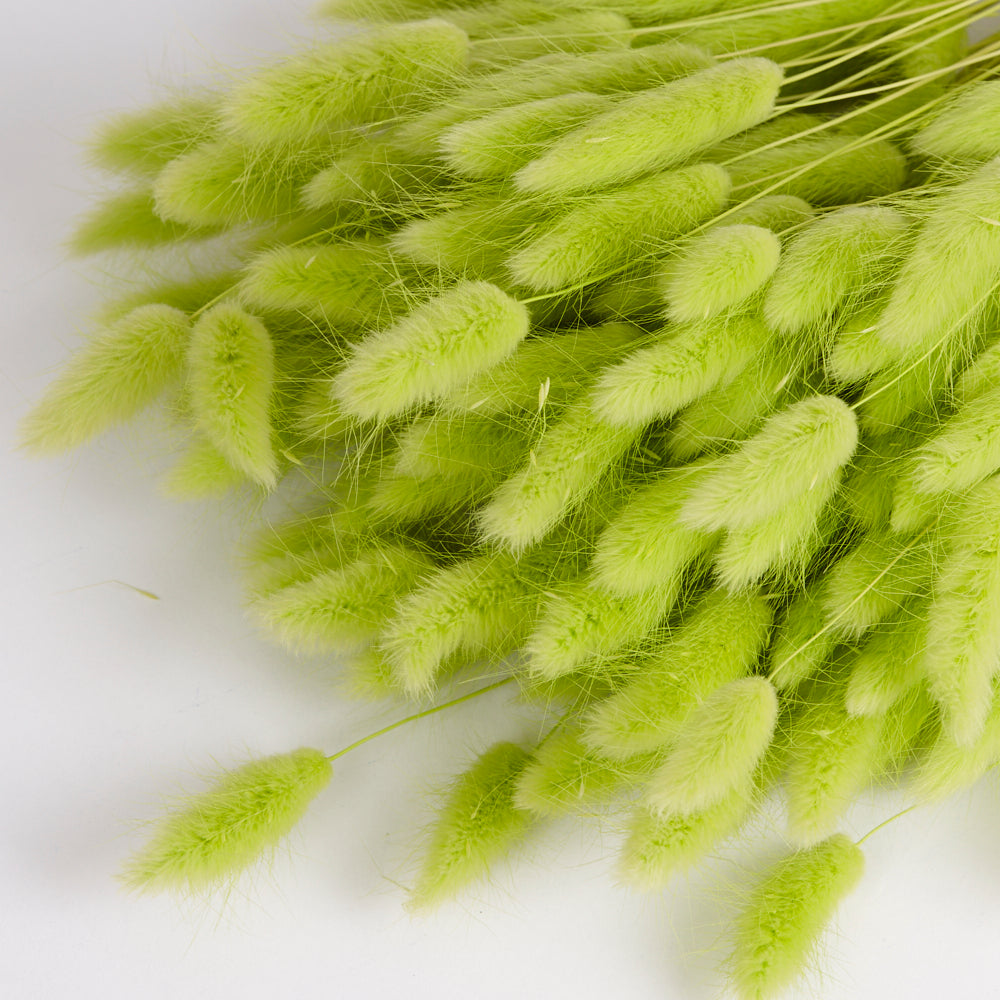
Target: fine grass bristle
[[477, 825], [786, 914], [118, 372], [218, 834]]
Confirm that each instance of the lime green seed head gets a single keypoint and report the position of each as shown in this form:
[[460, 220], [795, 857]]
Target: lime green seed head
[[478, 824], [119, 372], [218, 834], [786, 914]]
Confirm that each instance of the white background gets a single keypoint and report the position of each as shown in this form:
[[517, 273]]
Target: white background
[[110, 699]]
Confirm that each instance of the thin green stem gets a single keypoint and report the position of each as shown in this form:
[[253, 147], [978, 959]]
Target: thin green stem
[[419, 715], [886, 822]]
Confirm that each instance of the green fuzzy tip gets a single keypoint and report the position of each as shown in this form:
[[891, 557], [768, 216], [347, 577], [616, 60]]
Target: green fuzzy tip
[[225, 830], [787, 913]]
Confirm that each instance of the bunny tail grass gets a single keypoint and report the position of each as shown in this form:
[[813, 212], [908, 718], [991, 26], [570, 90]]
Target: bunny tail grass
[[116, 374], [786, 914], [657, 128], [478, 824], [223, 831], [432, 351], [717, 749], [231, 384]]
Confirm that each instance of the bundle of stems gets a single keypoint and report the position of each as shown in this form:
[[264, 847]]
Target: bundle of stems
[[640, 357]]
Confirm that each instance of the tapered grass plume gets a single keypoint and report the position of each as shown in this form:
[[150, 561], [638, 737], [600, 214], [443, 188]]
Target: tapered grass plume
[[660, 846], [477, 825], [779, 547], [831, 757], [822, 169], [963, 619], [500, 143], [543, 374], [803, 644], [841, 256], [889, 664], [718, 643], [720, 270], [948, 767], [142, 142], [956, 252], [717, 748], [224, 182], [600, 233], [688, 360], [118, 372], [802, 448], [230, 382], [337, 283], [645, 546], [965, 128], [657, 128], [579, 623], [786, 914], [873, 581], [361, 78], [128, 221], [219, 833], [343, 608], [435, 349], [562, 468], [553, 75], [476, 607], [964, 451], [564, 775]]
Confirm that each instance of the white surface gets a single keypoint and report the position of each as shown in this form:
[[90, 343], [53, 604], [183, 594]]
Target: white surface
[[111, 699]]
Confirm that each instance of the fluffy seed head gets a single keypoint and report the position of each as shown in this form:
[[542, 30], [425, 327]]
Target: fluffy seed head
[[223, 831], [476, 826], [121, 370], [657, 128], [231, 383], [435, 349], [720, 270], [363, 77], [802, 448], [717, 748], [601, 233], [786, 914]]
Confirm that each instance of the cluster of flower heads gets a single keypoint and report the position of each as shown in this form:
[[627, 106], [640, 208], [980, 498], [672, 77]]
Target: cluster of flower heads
[[643, 355]]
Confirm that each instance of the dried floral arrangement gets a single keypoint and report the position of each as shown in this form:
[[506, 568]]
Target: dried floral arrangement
[[643, 357]]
